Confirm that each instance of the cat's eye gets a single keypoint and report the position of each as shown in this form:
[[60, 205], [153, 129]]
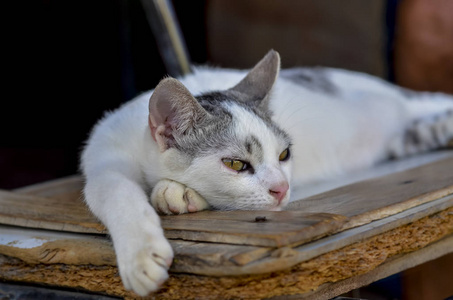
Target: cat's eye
[[284, 155], [234, 164]]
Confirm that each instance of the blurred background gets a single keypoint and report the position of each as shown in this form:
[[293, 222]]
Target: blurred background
[[66, 62]]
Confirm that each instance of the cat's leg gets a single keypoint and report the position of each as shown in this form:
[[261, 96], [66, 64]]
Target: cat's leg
[[424, 135], [171, 197], [143, 253]]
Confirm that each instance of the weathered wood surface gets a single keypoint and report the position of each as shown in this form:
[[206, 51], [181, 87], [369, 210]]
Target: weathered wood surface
[[338, 269], [391, 266], [238, 227], [58, 206], [376, 198], [51, 247], [210, 259], [260, 228], [375, 222], [48, 213]]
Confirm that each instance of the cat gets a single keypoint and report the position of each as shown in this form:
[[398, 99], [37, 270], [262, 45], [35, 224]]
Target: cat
[[242, 142]]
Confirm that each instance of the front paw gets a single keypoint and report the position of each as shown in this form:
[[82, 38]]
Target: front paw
[[143, 264], [171, 197]]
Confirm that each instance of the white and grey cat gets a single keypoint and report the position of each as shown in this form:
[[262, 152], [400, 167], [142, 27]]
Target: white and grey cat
[[241, 143]]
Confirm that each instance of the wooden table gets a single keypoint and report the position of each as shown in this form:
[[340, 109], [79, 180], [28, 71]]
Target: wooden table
[[320, 247]]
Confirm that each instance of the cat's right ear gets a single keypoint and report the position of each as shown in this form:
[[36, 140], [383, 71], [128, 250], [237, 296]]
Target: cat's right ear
[[257, 85], [173, 111]]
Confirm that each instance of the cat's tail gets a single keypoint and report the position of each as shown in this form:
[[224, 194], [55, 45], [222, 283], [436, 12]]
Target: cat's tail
[[426, 105], [431, 123]]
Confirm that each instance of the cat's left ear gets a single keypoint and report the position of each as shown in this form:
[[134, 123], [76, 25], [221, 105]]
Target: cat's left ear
[[173, 111], [256, 86]]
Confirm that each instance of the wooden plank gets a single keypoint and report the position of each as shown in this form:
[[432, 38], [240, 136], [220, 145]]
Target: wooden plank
[[392, 266], [36, 246], [49, 247], [211, 259], [351, 261], [259, 228], [354, 235], [64, 189], [238, 227], [304, 221], [377, 198], [49, 213], [287, 257]]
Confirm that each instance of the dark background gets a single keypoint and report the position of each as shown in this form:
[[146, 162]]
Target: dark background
[[66, 62]]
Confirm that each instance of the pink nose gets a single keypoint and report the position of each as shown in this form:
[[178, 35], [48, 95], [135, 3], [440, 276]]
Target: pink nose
[[279, 191]]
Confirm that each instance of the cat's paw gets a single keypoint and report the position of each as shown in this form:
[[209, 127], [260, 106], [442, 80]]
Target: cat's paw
[[143, 263], [171, 197]]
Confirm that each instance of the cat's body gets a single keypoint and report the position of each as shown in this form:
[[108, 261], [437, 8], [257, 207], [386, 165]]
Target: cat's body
[[243, 148]]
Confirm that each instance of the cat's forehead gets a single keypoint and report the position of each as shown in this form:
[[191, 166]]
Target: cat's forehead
[[237, 129], [259, 136], [245, 115], [213, 102]]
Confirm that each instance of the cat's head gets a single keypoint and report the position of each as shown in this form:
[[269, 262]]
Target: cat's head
[[224, 144]]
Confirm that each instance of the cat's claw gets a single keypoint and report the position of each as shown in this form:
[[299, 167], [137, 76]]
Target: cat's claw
[[143, 266], [172, 198]]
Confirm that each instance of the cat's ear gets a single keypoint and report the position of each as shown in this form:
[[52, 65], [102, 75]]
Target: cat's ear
[[173, 111], [258, 83]]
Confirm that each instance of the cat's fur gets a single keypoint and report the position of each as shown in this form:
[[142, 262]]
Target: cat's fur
[[167, 147]]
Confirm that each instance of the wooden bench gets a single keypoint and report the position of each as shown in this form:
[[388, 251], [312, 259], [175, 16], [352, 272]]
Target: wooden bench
[[321, 247]]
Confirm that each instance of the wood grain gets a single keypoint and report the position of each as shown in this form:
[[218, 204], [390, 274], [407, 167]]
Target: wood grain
[[377, 198], [392, 266], [231, 254], [236, 227], [241, 227], [209, 259], [64, 189], [350, 262], [58, 206], [49, 213]]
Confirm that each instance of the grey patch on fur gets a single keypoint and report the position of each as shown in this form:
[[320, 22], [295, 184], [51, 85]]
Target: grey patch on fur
[[314, 79], [204, 138], [412, 137], [217, 134], [254, 147], [248, 147], [212, 102], [426, 135]]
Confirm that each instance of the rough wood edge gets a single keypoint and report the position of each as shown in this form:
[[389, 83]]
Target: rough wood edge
[[326, 224], [392, 266], [52, 187], [93, 226], [348, 262], [30, 211], [347, 237], [394, 209], [72, 248], [286, 257]]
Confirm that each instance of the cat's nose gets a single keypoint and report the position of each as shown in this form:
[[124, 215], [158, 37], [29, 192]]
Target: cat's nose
[[279, 191]]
